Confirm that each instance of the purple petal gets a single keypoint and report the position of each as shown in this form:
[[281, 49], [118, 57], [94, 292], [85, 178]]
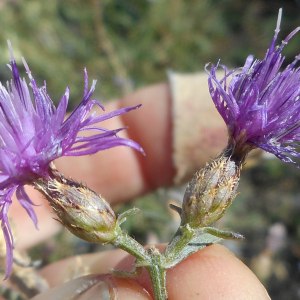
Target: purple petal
[[261, 105], [8, 236], [27, 204]]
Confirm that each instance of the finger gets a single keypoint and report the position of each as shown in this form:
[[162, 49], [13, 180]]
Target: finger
[[118, 174], [212, 273], [97, 263], [95, 287], [122, 173], [92, 286]]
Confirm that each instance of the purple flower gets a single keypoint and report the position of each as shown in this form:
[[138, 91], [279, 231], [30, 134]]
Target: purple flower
[[260, 105], [33, 134]]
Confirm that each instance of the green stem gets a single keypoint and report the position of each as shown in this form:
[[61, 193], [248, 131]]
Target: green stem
[[130, 245], [182, 237], [151, 259], [157, 275], [223, 234]]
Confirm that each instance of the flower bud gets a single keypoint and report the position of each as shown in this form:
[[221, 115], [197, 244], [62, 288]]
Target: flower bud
[[83, 212], [211, 191]]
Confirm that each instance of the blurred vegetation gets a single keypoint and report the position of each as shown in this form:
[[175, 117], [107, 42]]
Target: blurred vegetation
[[267, 212], [130, 44]]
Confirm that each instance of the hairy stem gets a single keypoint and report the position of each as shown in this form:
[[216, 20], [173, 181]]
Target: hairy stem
[[182, 237]]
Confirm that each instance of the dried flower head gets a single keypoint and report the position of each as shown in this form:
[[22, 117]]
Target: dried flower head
[[260, 105], [211, 191], [82, 211], [33, 133]]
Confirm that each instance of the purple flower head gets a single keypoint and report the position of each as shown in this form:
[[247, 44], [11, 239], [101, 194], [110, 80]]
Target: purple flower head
[[34, 133], [260, 105]]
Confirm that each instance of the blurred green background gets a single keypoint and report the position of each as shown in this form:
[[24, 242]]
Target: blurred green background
[[129, 44]]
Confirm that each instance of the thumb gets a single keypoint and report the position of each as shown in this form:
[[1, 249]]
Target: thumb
[[212, 273]]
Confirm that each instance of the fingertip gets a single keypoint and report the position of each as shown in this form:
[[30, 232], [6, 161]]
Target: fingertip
[[95, 287], [130, 290], [109, 287], [214, 273], [92, 263], [152, 128]]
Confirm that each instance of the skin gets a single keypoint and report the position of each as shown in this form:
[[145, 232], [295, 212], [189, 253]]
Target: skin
[[121, 174]]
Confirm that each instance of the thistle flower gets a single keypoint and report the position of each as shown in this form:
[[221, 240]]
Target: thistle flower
[[33, 134], [261, 108], [260, 105]]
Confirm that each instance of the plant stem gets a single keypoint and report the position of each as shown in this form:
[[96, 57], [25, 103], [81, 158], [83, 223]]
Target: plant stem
[[157, 275], [181, 238], [151, 259], [130, 245]]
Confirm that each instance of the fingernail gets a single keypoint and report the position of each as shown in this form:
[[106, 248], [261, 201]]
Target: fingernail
[[103, 290], [100, 291]]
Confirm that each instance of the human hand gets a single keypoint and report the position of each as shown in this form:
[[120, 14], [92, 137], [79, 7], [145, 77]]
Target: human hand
[[119, 175], [212, 273]]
